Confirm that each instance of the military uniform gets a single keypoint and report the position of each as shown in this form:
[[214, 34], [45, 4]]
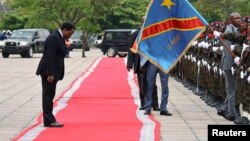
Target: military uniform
[[84, 42]]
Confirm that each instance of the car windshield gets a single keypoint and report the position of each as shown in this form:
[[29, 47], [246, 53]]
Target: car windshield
[[22, 35], [76, 35]]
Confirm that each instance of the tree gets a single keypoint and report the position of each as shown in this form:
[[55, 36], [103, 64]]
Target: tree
[[220, 9], [52, 13], [128, 14], [96, 15], [11, 23]]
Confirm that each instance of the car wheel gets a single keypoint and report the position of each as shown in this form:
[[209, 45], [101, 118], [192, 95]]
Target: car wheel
[[30, 53], [122, 55], [111, 52], [23, 55], [5, 55]]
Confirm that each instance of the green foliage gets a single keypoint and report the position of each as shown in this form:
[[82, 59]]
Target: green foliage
[[11, 23], [96, 15], [220, 9], [129, 13], [52, 13]]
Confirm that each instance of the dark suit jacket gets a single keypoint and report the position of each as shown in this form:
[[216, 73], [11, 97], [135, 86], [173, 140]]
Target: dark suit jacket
[[133, 59], [232, 37], [52, 61]]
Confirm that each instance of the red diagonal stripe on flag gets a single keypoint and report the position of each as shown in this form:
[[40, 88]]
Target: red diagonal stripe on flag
[[135, 47], [179, 24]]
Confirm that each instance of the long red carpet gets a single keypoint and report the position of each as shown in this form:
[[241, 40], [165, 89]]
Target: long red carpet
[[100, 105]]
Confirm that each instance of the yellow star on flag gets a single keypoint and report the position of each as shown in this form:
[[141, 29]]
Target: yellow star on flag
[[167, 3]]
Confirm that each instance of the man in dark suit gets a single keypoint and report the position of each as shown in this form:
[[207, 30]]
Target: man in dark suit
[[232, 36], [134, 62], [51, 70]]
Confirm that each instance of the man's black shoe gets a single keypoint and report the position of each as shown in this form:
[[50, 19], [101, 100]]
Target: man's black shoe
[[220, 113], [147, 112], [229, 118], [166, 113], [54, 124], [141, 108], [156, 109], [240, 121]]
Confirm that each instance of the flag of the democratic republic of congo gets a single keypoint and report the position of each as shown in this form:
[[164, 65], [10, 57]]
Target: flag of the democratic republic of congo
[[168, 31]]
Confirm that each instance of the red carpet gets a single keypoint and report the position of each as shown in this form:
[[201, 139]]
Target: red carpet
[[98, 106]]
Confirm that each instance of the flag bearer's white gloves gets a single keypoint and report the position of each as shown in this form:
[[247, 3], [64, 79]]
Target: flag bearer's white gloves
[[245, 46], [217, 34], [237, 60], [232, 47]]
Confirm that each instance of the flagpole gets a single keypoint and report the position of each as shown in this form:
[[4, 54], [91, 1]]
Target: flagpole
[[223, 43]]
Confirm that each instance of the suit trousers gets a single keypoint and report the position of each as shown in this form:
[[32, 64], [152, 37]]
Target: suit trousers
[[48, 94], [228, 105], [141, 76], [150, 84]]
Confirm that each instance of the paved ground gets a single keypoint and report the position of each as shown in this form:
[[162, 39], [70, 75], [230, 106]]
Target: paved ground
[[20, 99]]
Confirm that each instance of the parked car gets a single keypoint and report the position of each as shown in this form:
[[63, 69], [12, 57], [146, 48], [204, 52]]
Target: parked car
[[76, 42], [94, 40], [25, 42], [98, 39], [1, 45], [116, 42], [3, 36]]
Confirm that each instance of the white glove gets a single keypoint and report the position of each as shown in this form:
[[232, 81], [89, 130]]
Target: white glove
[[208, 67], [215, 49], [221, 48], [206, 45], [232, 47], [245, 46], [221, 72], [194, 43], [215, 69], [202, 44], [194, 60], [205, 63], [199, 44], [198, 63], [242, 74], [237, 60], [233, 70], [217, 34], [248, 79]]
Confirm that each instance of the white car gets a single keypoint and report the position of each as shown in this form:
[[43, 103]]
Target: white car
[[98, 39], [1, 45]]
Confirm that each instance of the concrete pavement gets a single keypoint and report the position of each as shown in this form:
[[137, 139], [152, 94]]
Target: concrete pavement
[[20, 99]]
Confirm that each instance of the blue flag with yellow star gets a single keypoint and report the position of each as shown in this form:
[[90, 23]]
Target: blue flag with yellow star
[[168, 31]]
